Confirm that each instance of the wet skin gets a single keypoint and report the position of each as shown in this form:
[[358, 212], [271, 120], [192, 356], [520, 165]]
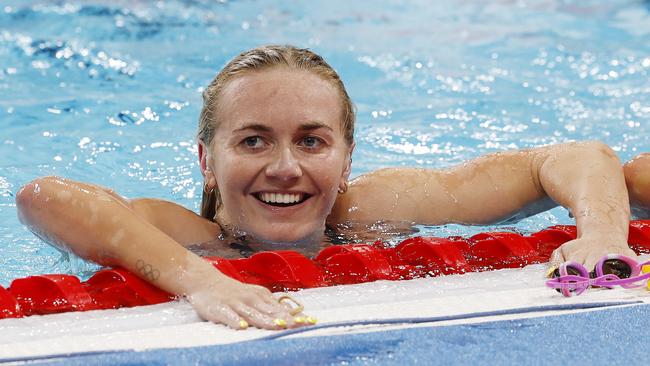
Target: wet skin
[[280, 133]]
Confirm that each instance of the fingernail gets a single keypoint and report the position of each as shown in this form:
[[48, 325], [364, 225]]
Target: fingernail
[[243, 324], [280, 322], [311, 320], [299, 319], [549, 272]]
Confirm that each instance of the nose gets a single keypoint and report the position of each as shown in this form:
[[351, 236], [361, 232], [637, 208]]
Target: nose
[[284, 166]]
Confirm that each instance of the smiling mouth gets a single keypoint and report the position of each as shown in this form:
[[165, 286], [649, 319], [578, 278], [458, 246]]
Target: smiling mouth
[[281, 199]]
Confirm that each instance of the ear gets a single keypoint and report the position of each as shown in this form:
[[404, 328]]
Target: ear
[[205, 162], [347, 168]]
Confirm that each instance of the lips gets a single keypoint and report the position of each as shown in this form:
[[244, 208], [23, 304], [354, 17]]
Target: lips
[[281, 199]]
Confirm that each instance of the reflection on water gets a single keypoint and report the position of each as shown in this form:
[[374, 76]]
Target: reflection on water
[[390, 233]]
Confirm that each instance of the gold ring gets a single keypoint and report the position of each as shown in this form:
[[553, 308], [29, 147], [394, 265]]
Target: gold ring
[[296, 307]]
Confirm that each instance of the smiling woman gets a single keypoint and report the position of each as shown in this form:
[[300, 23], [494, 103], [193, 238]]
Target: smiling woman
[[277, 156], [275, 143]]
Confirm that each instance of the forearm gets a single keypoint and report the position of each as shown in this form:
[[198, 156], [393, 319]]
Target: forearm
[[587, 178], [141, 248], [97, 225]]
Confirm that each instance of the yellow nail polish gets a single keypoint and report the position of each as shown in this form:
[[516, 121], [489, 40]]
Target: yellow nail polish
[[549, 272], [311, 320], [243, 324], [299, 319], [280, 322]]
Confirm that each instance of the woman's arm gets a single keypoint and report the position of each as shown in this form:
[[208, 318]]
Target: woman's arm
[[637, 178], [584, 177], [97, 224]]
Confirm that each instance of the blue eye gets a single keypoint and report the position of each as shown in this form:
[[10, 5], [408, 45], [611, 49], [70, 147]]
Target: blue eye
[[312, 142], [253, 142]]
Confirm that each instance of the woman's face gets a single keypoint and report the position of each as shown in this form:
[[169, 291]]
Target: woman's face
[[278, 154]]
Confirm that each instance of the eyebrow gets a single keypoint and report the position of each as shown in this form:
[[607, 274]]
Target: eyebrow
[[309, 126]]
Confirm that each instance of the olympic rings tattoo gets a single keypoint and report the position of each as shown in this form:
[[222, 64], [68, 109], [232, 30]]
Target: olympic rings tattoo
[[147, 270]]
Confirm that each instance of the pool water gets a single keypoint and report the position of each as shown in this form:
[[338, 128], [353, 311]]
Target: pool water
[[110, 94]]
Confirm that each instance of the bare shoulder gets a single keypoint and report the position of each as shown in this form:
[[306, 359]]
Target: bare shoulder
[[185, 226], [393, 194]]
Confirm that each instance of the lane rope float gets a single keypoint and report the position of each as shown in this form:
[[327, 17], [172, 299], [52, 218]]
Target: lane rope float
[[286, 270]]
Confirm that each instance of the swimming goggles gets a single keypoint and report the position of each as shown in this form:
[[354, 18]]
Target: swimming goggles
[[572, 278]]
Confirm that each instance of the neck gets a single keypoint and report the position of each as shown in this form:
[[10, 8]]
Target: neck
[[309, 245]]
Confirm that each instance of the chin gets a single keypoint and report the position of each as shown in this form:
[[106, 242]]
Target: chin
[[290, 234]]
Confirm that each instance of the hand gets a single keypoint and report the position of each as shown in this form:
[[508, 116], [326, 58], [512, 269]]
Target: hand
[[589, 250], [237, 305]]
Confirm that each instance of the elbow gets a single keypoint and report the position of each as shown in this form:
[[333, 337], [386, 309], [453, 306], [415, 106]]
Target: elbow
[[576, 158], [33, 197], [637, 178], [599, 148], [584, 152]]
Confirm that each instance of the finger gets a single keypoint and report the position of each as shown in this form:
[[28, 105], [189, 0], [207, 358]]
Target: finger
[[590, 261], [292, 305], [224, 314], [278, 311], [261, 295], [281, 297], [593, 258], [265, 302], [260, 320], [557, 257], [266, 307], [284, 304], [289, 309], [303, 319], [579, 255]]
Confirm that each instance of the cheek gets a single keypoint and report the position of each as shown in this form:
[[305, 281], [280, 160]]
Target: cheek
[[232, 175], [328, 174]]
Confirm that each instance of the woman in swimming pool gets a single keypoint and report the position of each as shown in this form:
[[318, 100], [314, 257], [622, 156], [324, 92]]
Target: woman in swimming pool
[[275, 143]]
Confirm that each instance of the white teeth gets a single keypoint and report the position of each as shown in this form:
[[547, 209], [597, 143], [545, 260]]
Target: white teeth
[[279, 197]]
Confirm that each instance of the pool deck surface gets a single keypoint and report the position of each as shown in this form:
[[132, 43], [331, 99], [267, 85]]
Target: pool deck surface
[[171, 333]]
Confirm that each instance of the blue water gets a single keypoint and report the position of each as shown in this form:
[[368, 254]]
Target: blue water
[[110, 94]]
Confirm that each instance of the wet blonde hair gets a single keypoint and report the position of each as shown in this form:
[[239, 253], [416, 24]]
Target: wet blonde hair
[[257, 59]]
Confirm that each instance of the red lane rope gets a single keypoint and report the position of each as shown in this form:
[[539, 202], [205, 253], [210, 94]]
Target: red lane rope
[[289, 270]]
